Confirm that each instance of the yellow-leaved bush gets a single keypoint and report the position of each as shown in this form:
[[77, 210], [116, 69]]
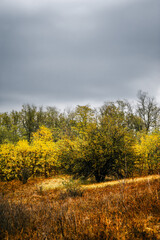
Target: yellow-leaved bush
[[40, 157], [147, 151], [7, 161], [44, 150]]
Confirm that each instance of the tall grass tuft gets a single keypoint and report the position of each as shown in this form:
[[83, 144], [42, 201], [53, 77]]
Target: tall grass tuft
[[72, 188]]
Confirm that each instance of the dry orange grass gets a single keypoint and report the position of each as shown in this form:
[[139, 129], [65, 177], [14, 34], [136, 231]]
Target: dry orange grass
[[130, 210]]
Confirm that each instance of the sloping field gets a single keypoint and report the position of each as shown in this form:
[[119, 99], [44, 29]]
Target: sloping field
[[119, 210]]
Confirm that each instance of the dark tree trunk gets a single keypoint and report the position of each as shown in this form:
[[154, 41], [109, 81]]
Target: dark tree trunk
[[99, 177]]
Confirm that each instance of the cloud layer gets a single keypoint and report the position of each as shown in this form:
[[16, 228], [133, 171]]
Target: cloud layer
[[75, 51]]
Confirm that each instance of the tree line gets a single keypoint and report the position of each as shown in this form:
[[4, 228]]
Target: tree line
[[116, 139]]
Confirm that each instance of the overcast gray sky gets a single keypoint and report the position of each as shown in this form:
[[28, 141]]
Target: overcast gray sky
[[68, 52]]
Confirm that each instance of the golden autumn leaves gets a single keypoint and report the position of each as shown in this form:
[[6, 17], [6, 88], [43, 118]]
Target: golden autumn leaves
[[39, 156]]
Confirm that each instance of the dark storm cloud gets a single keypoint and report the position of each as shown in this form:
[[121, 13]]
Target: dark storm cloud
[[72, 51]]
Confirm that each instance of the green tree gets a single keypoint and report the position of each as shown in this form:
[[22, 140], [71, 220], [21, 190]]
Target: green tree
[[29, 120], [105, 147], [133, 121], [148, 110], [9, 127]]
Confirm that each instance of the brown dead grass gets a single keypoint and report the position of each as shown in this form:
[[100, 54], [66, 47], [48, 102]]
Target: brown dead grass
[[130, 210]]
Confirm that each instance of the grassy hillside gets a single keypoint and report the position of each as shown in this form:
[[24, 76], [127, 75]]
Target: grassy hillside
[[127, 209]]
